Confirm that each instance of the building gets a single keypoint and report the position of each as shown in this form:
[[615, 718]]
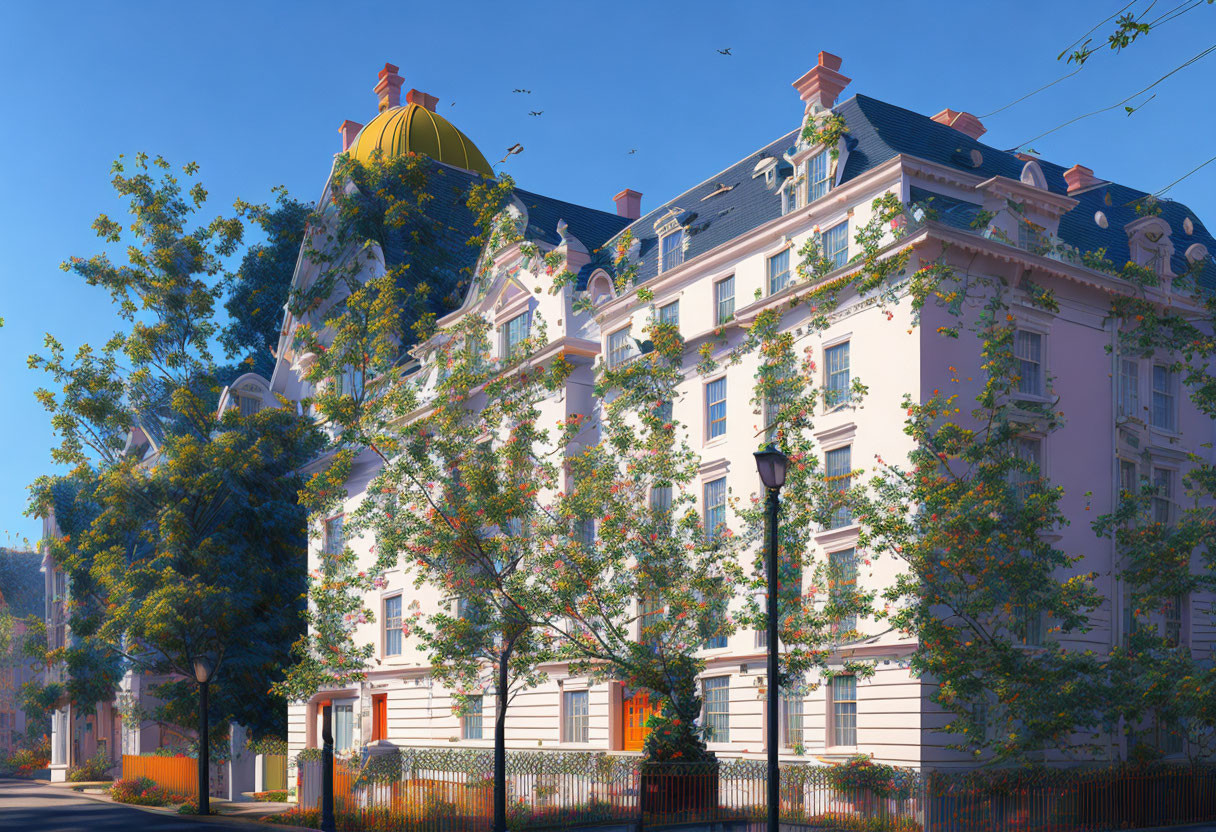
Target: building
[[714, 257], [20, 598]]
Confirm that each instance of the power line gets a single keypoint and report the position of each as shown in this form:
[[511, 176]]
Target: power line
[[1196, 169], [1178, 68]]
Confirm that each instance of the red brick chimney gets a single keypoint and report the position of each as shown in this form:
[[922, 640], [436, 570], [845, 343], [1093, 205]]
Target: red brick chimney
[[964, 123], [388, 88], [823, 83], [422, 99], [348, 131], [628, 204], [1079, 178]]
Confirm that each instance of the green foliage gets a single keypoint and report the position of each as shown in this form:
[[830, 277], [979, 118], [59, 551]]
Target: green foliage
[[92, 770], [861, 773], [142, 791], [27, 760]]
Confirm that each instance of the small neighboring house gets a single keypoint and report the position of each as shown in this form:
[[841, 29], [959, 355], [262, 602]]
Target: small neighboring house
[[77, 735], [20, 597]]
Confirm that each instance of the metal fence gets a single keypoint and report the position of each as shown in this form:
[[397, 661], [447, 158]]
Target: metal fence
[[438, 791]]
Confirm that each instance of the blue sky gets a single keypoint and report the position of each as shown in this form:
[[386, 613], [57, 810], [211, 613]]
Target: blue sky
[[255, 91]]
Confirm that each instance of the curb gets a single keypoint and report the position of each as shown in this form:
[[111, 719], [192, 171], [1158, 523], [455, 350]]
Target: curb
[[164, 812]]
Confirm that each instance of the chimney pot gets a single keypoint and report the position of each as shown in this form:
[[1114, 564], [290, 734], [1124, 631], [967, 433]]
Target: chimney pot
[[388, 88], [349, 130], [963, 122], [422, 99], [1080, 178], [823, 83], [628, 204]]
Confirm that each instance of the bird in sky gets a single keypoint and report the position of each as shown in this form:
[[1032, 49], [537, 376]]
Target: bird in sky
[[633, 151], [511, 151], [526, 92], [725, 51], [536, 112]]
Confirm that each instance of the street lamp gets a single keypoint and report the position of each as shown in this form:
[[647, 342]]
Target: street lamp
[[203, 671], [771, 464]]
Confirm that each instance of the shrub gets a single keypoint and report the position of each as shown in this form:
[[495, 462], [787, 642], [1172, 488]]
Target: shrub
[[23, 762], [271, 797], [310, 818], [92, 769], [143, 791], [860, 773]]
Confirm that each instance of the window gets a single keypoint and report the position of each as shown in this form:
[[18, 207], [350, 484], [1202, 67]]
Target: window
[[471, 722], [344, 726], [1129, 388], [514, 332], [670, 314], [818, 176], [717, 709], [1031, 236], [779, 395], [836, 245], [1163, 398], [672, 247], [660, 498], [778, 271], [620, 347], [715, 508], [844, 711], [1128, 483], [838, 471], [1163, 495], [842, 567], [249, 405], [584, 531], [335, 542], [1028, 350], [1029, 449], [836, 361], [379, 716], [724, 300], [789, 199], [1029, 623], [715, 408], [392, 626], [1129, 609], [650, 613], [577, 716], [791, 716], [1172, 629], [711, 625]]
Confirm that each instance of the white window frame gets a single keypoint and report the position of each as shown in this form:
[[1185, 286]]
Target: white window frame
[[769, 264], [842, 567], [1168, 396], [506, 348], [345, 704], [711, 424], [1026, 360], [837, 382], [673, 317], [720, 300], [327, 544], [839, 256], [673, 256], [388, 623], [478, 715], [818, 176], [836, 729], [620, 347], [716, 684], [1129, 388], [711, 528], [576, 725], [1164, 505], [842, 516]]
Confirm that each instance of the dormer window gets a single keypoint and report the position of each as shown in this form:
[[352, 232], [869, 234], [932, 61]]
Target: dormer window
[[1148, 240], [789, 197], [671, 249], [249, 405], [818, 176], [513, 333]]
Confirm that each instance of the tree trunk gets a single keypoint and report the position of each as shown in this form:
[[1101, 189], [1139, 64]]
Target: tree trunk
[[500, 745]]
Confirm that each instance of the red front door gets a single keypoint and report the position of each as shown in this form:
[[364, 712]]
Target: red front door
[[636, 710]]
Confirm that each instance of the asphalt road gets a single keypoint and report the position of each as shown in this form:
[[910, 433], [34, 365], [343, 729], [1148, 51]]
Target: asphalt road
[[30, 806]]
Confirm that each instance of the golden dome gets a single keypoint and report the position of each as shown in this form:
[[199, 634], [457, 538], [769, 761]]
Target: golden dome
[[414, 128]]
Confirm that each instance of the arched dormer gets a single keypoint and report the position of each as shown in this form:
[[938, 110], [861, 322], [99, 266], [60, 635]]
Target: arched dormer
[[1196, 253], [1032, 174], [247, 394], [1149, 244], [600, 288]]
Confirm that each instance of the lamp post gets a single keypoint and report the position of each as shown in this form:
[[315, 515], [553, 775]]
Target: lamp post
[[203, 671], [771, 464], [327, 767]]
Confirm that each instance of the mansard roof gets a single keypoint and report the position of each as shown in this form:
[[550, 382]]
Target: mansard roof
[[878, 132]]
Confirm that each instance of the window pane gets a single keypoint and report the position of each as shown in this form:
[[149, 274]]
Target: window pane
[[472, 719], [1129, 388], [1028, 349], [836, 360], [392, 626], [514, 332], [792, 705], [1163, 398], [577, 716], [818, 176], [715, 508], [724, 300], [670, 314], [844, 710], [249, 405], [778, 271], [836, 245], [344, 726], [334, 540], [1163, 494], [842, 568], [715, 408], [717, 709], [838, 469], [673, 249], [620, 347]]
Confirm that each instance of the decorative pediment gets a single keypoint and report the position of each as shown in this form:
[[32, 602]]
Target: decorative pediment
[[1148, 240]]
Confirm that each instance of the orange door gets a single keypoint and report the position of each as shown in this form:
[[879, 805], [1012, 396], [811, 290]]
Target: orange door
[[637, 710]]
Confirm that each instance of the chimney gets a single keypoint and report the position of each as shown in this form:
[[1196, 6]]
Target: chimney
[[388, 88], [422, 99], [823, 83], [964, 123], [348, 131], [628, 204], [1080, 178]]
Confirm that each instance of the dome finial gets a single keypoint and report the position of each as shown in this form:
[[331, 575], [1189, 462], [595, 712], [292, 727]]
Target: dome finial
[[388, 88]]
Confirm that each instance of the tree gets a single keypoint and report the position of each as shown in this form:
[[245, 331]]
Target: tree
[[259, 289], [195, 550]]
